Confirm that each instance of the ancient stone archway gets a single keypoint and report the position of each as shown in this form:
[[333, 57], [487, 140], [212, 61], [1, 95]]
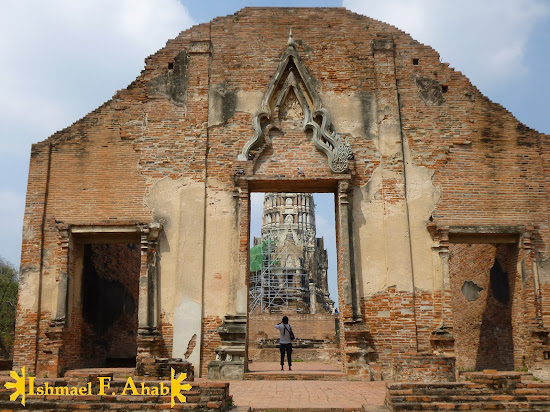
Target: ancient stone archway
[[291, 107]]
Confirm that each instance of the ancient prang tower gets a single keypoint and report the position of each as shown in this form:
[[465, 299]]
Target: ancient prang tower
[[294, 270]]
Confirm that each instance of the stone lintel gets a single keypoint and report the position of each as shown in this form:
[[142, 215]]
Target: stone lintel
[[198, 47], [382, 45]]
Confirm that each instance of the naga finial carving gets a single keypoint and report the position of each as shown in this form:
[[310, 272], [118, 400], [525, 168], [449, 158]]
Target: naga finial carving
[[337, 149], [290, 42], [316, 117]]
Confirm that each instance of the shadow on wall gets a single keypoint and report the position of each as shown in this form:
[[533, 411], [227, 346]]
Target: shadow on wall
[[110, 288], [483, 281], [496, 344]]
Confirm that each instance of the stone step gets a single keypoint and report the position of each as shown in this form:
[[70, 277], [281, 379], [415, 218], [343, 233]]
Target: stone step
[[439, 391], [465, 398], [293, 376], [472, 406], [110, 372], [57, 405], [522, 375], [375, 408], [372, 408], [432, 385], [204, 396], [471, 392], [482, 391], [489, 392], [535, 384]]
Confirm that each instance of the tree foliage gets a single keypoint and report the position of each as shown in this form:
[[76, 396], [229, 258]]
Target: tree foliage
[[8, 306]]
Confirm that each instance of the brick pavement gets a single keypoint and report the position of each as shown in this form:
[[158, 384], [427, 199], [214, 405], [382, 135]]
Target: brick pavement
[[304, 394], [307, 394]]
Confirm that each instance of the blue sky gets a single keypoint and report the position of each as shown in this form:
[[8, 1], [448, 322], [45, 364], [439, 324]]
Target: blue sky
[[60, 59]]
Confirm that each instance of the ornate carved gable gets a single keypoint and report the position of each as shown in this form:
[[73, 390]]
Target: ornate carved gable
[[292, 82]]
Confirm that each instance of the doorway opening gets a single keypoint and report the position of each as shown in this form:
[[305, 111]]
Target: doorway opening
[[483, 280], [293, 266], [109, 296]]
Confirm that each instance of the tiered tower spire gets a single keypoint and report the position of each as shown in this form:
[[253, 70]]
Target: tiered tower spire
[[294, 272]]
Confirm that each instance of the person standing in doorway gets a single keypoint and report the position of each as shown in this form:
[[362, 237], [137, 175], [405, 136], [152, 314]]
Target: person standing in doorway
[[285, 341]]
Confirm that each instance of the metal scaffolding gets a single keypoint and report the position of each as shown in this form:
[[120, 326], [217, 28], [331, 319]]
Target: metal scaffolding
[[276, 286]]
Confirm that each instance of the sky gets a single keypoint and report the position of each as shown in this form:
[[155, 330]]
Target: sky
[[61, 59]]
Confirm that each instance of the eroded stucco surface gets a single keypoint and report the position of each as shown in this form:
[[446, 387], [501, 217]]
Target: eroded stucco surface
[[179, 206]]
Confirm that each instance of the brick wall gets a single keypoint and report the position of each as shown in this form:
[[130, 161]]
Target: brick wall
[[399, 324], [167, 333], [316, 336], [210, 341], [424, 368], [318, 326], [489, 169]]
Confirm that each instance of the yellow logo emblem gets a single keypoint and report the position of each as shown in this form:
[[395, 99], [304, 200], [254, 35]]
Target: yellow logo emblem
[[19, 385], [176, 387], [21, 388]]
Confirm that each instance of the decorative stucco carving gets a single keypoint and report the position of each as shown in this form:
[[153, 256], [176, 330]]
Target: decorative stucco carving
[[430, 91], [294, 76]]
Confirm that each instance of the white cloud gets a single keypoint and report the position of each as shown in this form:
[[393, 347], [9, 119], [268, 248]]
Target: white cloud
[[60, 60], [63, 58], [484, 39], [325, 227]]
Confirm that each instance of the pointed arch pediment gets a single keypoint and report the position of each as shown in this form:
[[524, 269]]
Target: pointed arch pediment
[[292, 76]]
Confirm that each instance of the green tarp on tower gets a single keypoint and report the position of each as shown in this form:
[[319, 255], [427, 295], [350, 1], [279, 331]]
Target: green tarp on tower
[[257, 257]]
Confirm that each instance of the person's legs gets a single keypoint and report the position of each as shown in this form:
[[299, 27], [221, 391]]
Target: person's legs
[[289, 356], [282, 349]]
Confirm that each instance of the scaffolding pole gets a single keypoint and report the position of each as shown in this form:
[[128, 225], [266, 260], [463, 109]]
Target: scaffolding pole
[[277, 286]]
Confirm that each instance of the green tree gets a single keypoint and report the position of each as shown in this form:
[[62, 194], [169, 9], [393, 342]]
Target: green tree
[[8, 306]]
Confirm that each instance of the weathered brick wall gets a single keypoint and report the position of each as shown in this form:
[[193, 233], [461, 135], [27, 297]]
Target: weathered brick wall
[[419, 368], [93, 174], [482, 392], [25, 344], [316, 336], [167, 333], [185, 120], [210, 341], [305, 326], [478, 150], [399, 324]]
